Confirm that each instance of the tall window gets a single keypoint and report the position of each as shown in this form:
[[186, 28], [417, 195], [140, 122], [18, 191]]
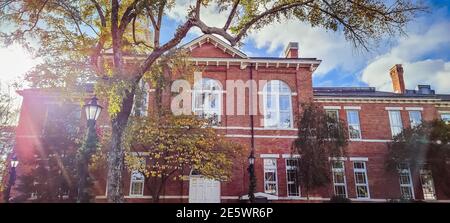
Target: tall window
[[339, 182], [270, 176], [354, 128], [406, 185], [445, 117], [277, 105], [415, 118], [140, 105], [292, 179], [361, 181], [207, 99], [426, 179], [137, 183], [396, 122]]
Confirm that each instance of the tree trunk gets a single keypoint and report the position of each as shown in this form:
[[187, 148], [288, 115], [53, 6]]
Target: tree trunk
[[116, 153]]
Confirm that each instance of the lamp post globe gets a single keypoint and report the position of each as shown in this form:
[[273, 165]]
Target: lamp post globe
[[93, 109]]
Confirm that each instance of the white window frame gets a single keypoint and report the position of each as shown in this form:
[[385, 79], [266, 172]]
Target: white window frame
[[145, 87], [410, 186], [276, 95], [354, 125], [198, 89], [411, 121], [364, 171], [425, 171], [295, 182], [445, 114], [336, 170], [137, 181], [395, 126], [270, 169]]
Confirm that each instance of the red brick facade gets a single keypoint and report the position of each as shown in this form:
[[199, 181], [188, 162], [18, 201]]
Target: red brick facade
[[223, 63]]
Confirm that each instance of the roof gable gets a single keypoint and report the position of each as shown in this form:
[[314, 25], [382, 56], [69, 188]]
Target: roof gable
[[211, 46]]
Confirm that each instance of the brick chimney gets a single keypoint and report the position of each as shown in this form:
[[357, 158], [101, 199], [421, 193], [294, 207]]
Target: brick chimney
[[397, 79], [291, 50]]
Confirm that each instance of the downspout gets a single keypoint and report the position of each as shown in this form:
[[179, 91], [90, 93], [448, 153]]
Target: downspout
[[252, 130]]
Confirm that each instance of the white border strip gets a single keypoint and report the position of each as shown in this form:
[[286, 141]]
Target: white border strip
[[444, 112], [269, 155], [393, 108], [359, 159], [332, 107], [352, 107], [414, 108], [287, 156], [338, 158]]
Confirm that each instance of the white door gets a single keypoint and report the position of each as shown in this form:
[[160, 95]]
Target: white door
[[203, 190]]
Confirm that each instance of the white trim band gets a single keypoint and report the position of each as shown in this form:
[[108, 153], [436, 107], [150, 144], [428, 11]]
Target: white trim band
[[393, 108], [352, 107], [269, 155], [359, 159], [331, 107], [287, 156], [337, 158], [414, 108]]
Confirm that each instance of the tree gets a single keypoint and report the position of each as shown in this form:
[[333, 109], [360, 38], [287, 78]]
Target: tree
[[72, 35], [426, 145], [173, 145], [320, 136], [8, 115], [54, 176]]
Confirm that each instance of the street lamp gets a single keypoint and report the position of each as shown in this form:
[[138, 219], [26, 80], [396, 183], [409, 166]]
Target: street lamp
[[12, 177], [251, 171], [93, 110]]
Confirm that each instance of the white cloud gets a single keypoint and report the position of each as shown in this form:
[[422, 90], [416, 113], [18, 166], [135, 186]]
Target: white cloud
[[409, 52]]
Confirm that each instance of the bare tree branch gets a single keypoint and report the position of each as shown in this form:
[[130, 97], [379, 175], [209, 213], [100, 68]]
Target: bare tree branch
[[231, 16]]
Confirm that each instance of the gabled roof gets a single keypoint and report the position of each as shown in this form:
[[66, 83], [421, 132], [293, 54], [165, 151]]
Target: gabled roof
[[207, 38]]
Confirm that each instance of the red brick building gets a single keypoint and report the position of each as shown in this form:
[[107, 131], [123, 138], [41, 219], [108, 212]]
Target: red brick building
[[283, 84]]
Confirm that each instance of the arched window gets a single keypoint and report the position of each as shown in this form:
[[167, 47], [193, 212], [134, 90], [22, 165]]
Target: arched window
[[140, 105], [277, 105], [207, 98]]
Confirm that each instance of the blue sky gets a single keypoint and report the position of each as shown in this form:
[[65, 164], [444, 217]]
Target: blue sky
[[424, 51]]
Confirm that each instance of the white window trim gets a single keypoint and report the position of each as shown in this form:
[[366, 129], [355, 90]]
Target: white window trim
[[278, 94], [391, 122], [269, 156], [359, 159], [359, 124], [444, 112], [219, 92], [289, 156], [136, 181], [287, 181], [394, 108], [332, 107], [352, 107], [410, 120], [359, 184], [337, 158], [414, 108], [410, 185], [333, 170], [276, 175]]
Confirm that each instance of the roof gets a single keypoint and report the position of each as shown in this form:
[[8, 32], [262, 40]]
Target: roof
[[373, 93], [213, 39]]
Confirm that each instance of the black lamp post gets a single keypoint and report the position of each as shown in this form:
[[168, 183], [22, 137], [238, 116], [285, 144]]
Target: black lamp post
[[92, 113], [12, 177], [251, 171]]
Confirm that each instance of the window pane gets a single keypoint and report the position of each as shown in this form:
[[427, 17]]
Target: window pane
[[360, 178], [415, 118], [404, 178], [339, 177], [285, 119], [269, 176], [285, 103], [446, 118], [362, 191], [358, 165], [339, 190], [353, 118], [406, 192], [293, 190], [333, 114], [337, 164]]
